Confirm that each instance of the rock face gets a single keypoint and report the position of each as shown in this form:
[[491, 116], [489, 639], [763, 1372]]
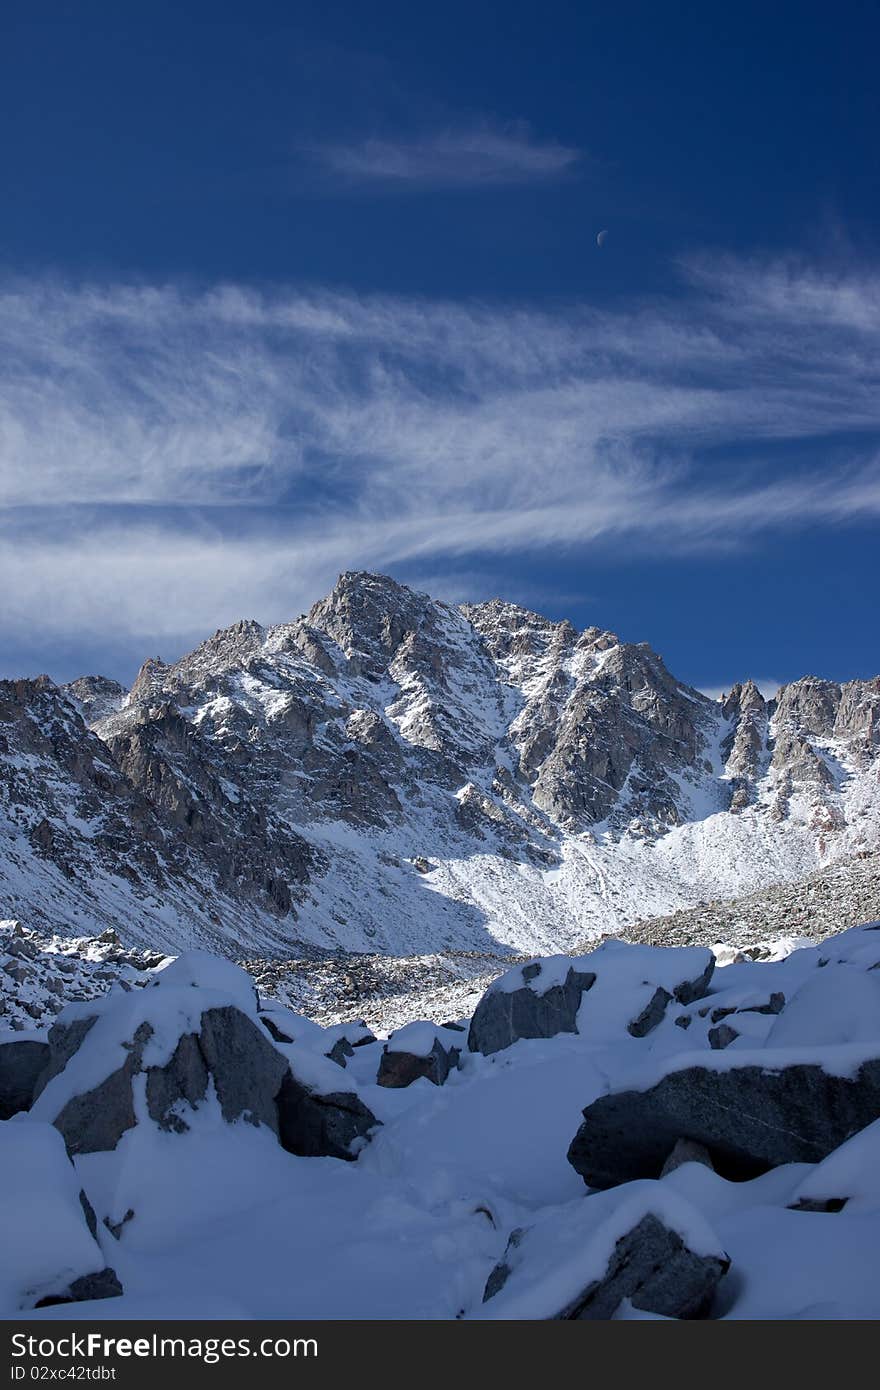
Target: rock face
[[749, 1113], [504, 1015], [467, 749], [20, 1066]]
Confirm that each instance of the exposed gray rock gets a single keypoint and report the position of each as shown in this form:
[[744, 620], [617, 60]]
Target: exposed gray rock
[[104, 1284], [655, 1270], [184, 1078], [403, 1068], [750, 1118], [96, 1121], [65, 1037], [247, 1070], [20, 1066], [503, 1016], [314, 1125], [652, 1014], [651, 1266], [722, 1036], [341, 1051]]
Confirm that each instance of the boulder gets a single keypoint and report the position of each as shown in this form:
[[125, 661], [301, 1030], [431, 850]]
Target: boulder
[[96, 1119], [316, 1124], [104, 1284], [750, 1112], [617, 989], [94, 1060], [537, 1000], [415, 1051], [50, 1254], [246, 1069], [582, 1261], [21, 1063], [340, 1052]]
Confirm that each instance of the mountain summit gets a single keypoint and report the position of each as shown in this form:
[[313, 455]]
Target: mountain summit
[[395, 773]]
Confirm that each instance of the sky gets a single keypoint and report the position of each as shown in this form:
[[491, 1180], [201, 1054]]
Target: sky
[[293, 288]]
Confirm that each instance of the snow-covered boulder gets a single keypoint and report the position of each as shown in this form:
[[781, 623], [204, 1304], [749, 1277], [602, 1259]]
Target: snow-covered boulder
[[647, 1245], [153, 1054], [50, 1254], [537, 1000], [337, 1042], [617, 989], [752, 1109], [21, 1062], [837, 1004], [419, 1049], [316, 1117], [850, 1177]]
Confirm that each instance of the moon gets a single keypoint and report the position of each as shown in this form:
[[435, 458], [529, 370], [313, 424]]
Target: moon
[[600, 239]]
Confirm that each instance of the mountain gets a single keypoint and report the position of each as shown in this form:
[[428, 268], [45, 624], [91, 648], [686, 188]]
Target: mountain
[[393, 773]]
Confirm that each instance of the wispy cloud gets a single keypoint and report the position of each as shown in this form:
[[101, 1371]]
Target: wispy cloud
[[480, 155], [171, 460]]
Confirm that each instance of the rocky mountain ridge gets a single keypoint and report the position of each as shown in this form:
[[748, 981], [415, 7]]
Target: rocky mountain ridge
[[393, 773]]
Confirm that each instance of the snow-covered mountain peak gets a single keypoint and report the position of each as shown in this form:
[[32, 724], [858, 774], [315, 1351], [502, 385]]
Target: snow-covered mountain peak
[[395, 772]]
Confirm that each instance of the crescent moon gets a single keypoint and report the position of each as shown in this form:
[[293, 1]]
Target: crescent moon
[[600, 239]]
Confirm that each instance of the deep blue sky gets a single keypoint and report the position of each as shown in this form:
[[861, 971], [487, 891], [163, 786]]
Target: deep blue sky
[[674, 435]]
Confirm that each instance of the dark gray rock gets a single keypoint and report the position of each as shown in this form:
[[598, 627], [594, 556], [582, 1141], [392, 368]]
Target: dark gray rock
[[689, 990], [64, 1039], [314, 1125], [96, 1121], [721, 1036], [652, 1014], [20, 1066], [403, 1068], [503, 1016], [651, 1266], [104, 1284], [88, 1212], [502, 1271], [115, 1227], [750, 1119], [341, 1051], [271, 1026], [247, 1070], [819, 1204], [183, 1078], [230, 1048]]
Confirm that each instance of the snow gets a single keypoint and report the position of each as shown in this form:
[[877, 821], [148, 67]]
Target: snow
[[851, 1173], [201, 970], [569, 1249], [418, 1038], [220, 1222], [46, 1242], [839, 1004], [172, 1006]]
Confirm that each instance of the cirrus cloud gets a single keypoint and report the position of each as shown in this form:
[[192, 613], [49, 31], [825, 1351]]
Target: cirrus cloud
[[173, 459]]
